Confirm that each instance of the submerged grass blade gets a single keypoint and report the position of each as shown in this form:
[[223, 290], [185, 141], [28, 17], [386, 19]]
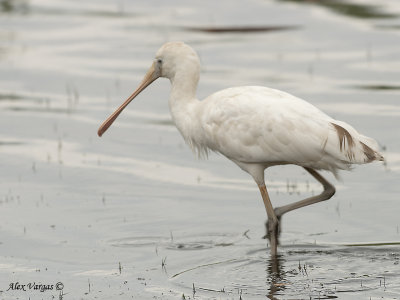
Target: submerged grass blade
[[202, 266], [373, 244]]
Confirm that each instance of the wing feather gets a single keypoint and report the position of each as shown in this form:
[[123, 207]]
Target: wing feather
[[262, 125]]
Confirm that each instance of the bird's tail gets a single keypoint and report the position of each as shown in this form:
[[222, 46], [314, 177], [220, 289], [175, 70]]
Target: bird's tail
[[355, 148]]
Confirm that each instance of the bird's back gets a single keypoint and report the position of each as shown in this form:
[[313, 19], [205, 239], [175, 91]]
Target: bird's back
[[261, 125]]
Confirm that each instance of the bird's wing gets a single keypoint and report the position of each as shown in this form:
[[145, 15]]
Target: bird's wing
[[258, 124], [261, 125]]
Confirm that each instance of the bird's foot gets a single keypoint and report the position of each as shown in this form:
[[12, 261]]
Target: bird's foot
[[273, 230]]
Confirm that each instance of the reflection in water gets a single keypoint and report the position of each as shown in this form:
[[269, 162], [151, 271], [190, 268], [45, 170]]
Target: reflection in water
[[377, 87], [355, 10], [12, 6], [242, 29], [276, 276]]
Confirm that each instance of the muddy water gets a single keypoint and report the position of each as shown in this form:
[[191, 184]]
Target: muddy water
[[134, 215]]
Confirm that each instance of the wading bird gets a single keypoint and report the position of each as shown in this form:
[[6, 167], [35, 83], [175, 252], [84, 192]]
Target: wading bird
[[256, 128]]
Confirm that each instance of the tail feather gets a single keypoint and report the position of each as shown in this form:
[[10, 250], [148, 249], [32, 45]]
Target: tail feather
[[371, 154], [356, 148], [370, 147]]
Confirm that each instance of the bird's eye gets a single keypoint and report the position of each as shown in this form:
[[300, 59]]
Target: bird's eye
[[159, 61]]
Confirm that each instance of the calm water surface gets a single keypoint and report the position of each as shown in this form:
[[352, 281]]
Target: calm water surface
[[134, 215]]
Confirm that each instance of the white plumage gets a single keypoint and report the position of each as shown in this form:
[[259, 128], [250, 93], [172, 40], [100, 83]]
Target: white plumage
[[255, 127], [253, 124]]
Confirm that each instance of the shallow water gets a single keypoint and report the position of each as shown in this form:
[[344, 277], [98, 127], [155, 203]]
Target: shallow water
[[134, 214]]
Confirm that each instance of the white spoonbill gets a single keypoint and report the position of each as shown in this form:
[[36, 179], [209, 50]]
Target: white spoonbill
[[256, 128]]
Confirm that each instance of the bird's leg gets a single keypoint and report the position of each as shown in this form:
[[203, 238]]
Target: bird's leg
[[273, 223], [327, 193], [278, 230]]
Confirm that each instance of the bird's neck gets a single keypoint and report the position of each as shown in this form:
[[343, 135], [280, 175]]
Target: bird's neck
[[183, 93], [184, 86], [184, 105]]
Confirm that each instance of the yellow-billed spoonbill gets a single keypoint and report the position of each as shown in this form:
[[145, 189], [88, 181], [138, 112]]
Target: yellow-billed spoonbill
[[256, 128]]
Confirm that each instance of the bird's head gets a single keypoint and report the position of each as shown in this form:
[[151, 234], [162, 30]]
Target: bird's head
[[173, 60]]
